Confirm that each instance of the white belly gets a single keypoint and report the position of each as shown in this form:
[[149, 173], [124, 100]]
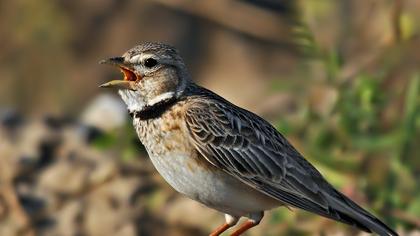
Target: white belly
[[211, 187], [187, 172]]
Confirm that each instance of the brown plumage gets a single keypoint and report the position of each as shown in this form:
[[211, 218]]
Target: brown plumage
[[219, 154]]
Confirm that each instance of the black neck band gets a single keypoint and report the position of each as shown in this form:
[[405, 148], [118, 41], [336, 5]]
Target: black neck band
[[154, 111]]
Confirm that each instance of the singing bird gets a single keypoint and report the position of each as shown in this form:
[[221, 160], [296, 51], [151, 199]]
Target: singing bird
[[219, 154]]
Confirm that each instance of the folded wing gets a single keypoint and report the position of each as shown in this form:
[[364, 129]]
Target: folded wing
[[250, 149]]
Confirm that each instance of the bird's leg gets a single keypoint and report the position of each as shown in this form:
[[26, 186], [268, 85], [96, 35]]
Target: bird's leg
[[244, 227], [220, 229], [230, 221], [254, 220]]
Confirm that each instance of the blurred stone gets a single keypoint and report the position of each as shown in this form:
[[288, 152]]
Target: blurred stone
[[3, 208], [127, 230], [109, 209], [67, 219], [100, 217], [56, 122], [47, 150], [37, 144], [11, 119], [184, 211], [105, 112], [90, 133], [9, 227], [102, 173], [64, 178], [32, 204], [121, 191]]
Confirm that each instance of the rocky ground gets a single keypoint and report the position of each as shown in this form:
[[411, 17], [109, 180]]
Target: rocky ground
[[55, 181]]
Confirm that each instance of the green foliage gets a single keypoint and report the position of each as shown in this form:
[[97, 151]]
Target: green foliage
[[105, 141], [368, 142], [124, 141]]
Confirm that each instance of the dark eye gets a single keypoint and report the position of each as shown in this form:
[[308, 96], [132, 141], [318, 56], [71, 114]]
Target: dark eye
[[150, 62]]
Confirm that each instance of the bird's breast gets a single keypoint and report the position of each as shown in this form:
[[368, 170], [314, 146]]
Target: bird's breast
[[188, 172]]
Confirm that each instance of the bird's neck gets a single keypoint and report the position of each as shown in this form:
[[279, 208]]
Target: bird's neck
[[155, 110]]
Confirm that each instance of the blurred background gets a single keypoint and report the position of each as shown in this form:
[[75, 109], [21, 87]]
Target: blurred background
[[340, 79]]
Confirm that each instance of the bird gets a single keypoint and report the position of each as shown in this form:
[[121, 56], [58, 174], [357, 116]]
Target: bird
[[220, 154]]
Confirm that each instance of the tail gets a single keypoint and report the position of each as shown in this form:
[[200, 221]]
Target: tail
[[349, 212]]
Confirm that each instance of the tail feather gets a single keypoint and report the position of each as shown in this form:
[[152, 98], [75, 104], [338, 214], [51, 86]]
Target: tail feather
[[349, 212]]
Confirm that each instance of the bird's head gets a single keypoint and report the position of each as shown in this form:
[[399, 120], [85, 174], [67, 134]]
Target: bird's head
[[153, 73]]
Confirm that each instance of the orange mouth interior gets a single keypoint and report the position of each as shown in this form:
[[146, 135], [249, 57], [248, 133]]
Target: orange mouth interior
[[129, 75]]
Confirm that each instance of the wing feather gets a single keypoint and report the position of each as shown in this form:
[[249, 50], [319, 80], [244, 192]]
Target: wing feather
[[247, 147]]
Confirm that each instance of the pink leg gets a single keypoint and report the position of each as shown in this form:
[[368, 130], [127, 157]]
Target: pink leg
[[244, 227], [230, 221], [220, 229], [254, 220]]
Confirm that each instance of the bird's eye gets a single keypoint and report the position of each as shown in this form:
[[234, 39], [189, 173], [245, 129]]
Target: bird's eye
[[150, 62]]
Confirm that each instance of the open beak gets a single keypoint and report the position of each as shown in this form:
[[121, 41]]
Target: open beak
[[129, 76]]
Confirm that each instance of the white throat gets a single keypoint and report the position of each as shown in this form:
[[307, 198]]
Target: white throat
[[136, 102], [133, 99]]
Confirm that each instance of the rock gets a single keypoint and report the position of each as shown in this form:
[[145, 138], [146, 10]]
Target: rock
[[184, 211], [105, 106], [127, 230], [101, 217], [56, 122], [104, 171], [3, 208], [109, 209], [11, 119], [64, 178], [36, 146], [67, 219]]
